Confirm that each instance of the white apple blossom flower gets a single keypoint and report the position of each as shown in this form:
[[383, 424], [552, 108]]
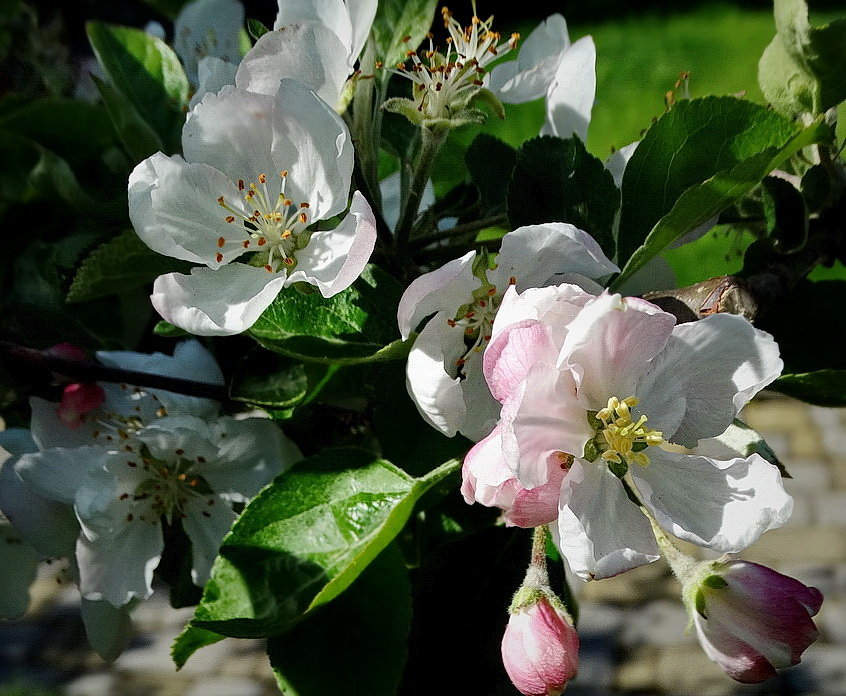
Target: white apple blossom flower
[[143, 460], [444, 372], [579, 377], [317, 43], [258, 172], [208, 28]]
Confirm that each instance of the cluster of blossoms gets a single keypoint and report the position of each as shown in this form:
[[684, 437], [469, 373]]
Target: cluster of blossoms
[[102, 481]]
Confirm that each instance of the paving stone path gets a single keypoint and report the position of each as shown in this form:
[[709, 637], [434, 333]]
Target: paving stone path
[[632, 627]]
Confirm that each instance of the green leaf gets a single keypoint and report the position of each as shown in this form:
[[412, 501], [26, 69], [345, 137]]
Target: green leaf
[[305, 538], [124, 262], [147, 72], [365, 631], [256, 29], [395, 21], [138, 138], [557, 180], [168, 330], [190, 641], [356, 325], [822, 388], [490, 163], [785, 214], [269, 380], [804, 67], [697, 160]]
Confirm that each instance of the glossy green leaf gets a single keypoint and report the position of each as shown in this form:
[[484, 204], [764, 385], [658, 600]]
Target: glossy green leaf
[[697, 160], [190, 641], [557, 180], [356, 325], [357, 645], [490, 163], [822, 388], [138, 138], [147, 72], [305, 538], [124, 262], [804, 67], [269, 380], [256, 29], [400, 26]]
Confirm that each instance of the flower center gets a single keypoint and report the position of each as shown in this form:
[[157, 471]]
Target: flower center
[[271, 223], [619, 439], [162, 489], [443, 81]]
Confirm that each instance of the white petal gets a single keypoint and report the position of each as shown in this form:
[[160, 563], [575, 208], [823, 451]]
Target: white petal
[[481, 410], [437, 395], [534, 254], [50, 527], [119, 567], [49, 431], [708, 371], [59, 473], [216, 303], [310, 53], [571, 94], [187, 433], [529, 76], [443, 290], [208, 28], [390, 190], [333, 259], [232, 132], [206, 525], [174, 209], [610, 344], [556, 306], [19, 562], [619, 159], [251, 452], [213, 75], [722, 505], [602, 533], [362, 13], [108, 628], [16, 441], [332, 14], [312, 141]]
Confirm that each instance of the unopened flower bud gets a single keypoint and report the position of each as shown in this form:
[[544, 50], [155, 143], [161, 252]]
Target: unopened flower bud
[[77, 400], [540, 648], [750, 619]]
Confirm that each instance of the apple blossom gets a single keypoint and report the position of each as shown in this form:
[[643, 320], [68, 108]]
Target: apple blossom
[[750, 619], [208, 28], [444, 372], [599, 386], [258, 172], [141, 460]]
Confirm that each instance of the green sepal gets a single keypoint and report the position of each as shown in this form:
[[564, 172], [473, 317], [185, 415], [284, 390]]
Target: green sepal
[[404, 107], [488, 98], [256, 29], [619, 469], [714, 582], [699, 603]]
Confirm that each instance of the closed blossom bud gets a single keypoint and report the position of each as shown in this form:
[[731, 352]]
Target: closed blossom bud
[[750, 619], [77, 400], [540, 648]]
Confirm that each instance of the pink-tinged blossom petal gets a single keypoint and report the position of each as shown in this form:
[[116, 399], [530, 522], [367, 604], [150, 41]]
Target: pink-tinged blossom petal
[[610, 344], [310, 53], [555, 305], [540, 649], [512, 353], [707, 373], [601, 533], [68, 351], [195, 302], [540, 419], [751, 620], [173, 206], [569, 101], [333, 259], [722, 505], [443, 290], [78, 399], [529, 76]]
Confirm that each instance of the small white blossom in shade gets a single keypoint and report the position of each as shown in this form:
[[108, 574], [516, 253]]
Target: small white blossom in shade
[[594, 388], [258, 172], [444, 372], [208, 28], [143, 460], [549, 65]]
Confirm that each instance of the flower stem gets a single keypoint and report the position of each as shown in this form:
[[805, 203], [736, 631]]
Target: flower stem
[[475, 226], [430, 145], [536, 573]]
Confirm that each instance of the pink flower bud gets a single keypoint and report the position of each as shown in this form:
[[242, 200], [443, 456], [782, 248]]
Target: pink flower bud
[[540, 648], [751, 620], [68, 351], [77, 400]]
